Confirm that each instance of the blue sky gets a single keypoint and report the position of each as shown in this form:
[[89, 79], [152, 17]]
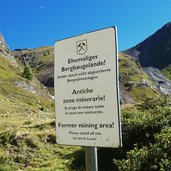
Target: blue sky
[[34, 23]]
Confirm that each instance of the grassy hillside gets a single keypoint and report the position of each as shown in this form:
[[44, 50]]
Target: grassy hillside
[[31, 145], [12, 92], [134, 82], [27, 127], [167, 71]]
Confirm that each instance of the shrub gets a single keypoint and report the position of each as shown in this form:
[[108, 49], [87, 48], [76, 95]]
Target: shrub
[[7, 137], [156, 156], [146, 137]]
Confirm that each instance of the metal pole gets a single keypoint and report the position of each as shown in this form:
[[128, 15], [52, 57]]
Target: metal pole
[[91, 158]]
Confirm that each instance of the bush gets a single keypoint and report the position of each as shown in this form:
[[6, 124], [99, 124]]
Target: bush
[[7, 137], [156, 156], [146, 137]]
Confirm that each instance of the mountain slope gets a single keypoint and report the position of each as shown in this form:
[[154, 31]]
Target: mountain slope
[[27, 126], [14, 89], [138, 77], [135, 84], [155, 51], [41, 61]]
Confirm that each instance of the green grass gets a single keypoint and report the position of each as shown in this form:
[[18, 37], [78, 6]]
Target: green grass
[[27, 127], [167, 71], [12, 95], [51, 90], [132, 78], [130, 68], [7, 70], [43, 59], [141, 93], [29, 147], [15, 99]]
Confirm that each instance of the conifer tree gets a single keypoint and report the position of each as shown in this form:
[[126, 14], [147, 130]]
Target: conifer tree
[[27, 73]]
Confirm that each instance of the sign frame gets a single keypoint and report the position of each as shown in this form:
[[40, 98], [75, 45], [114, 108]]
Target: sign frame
[[82, 47]]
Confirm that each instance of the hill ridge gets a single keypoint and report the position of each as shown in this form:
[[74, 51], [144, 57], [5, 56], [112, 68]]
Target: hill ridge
[[154, 51]]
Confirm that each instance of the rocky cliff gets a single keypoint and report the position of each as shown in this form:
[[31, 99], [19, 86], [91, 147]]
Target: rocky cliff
[[161, 83], [4, 49]]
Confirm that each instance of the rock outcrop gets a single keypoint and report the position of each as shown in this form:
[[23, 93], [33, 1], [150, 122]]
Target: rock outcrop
[[4, 49], [32, 57], [161, 83]]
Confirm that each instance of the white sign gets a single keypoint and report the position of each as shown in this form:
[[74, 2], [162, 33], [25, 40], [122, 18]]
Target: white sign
[[86, 90]]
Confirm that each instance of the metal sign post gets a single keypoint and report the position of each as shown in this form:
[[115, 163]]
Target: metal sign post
[[91, 159]]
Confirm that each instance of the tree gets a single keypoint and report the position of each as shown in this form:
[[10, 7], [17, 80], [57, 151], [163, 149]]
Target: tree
[[27, 73]]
